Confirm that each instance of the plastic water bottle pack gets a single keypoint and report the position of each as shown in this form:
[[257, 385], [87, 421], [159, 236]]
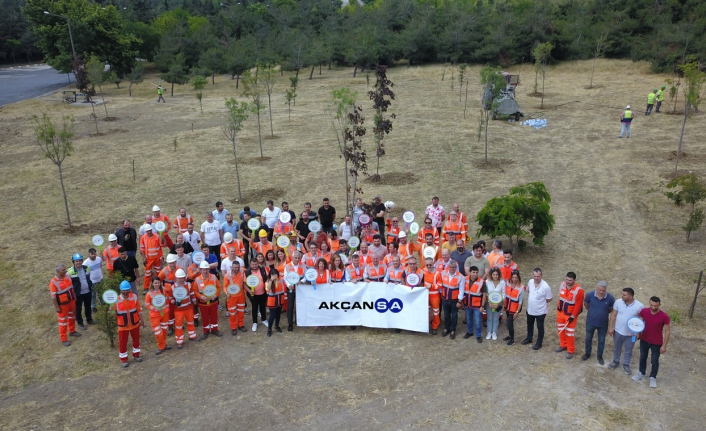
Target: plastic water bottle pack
[[537, 123]]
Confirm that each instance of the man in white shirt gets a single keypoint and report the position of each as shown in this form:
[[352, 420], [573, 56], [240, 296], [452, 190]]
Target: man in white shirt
[[212, 235], [623, 309], [345, 229], [219, 214], [539, 294], [357, 212], [227, 263], [148, 222], [436, 213], [95, 272], [271, 216], [193, 238]]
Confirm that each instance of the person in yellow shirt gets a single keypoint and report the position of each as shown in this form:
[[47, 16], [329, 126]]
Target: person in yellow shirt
[[450, 245]]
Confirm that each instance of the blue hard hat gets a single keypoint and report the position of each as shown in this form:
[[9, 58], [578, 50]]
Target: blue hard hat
[[77, 256], [335, 226], [125, 285]]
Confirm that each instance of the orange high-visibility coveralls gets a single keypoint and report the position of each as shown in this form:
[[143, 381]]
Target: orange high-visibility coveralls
[[183, 313], [158, 319], [151, 248], [127, 313], [207, 308], [168, 278], [434, 297], [110, 255], [570, 305], [63, 291], [235, 303]]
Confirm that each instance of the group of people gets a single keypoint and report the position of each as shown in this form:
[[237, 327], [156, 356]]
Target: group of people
[[250, 260], [655, 97]]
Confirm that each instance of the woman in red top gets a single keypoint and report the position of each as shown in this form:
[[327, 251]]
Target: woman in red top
[[338, 269]]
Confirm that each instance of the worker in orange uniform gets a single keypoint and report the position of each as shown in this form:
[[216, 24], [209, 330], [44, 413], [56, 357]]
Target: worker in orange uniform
[[275, 288], [453, 225], [235, 302], [159, 317], [393, 228], [129, 318], [394, 273], [506, 265], [463, 220], [428, 228], [64, 299], [366, 257], [110, 253], [264, 245], [392, 251], [295, 266], [412, 268], [309, 260], [450, 282], [158, 216], [183, 309], [282, 229], [473, 298], [208, 306], [567, 313], [406, 249], [443, 263], [181, 222], [151, 252], [434, 298], [375, 271], [497, 254], [230, 242], [429, 244], [168, 276]]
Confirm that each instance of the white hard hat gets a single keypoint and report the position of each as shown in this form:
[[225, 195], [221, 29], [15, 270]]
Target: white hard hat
[[180, 273], [171, 258], [112, 237], [148, 227], [402, 234], [627, 107], [228, 237], [155, 208], [389, 205], [204, 265]]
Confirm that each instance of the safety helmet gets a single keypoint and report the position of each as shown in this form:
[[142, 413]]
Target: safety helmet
[[627, 107], [180, 273], [204, 265], [654, 91], [155, 208], [262, 233], [664, 87], [335, 226], [148, 227], [228, 237], [402, 234], [125, 285], [77, 256], [171, 258], [112, 237]]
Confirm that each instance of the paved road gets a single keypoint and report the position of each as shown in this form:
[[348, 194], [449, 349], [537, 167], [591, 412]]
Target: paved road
[[25, 83]]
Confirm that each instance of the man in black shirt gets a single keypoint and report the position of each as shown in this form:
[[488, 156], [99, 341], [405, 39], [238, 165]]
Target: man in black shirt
[[312, 214], [285, 209], [379, 217], [128, 267], [327, 215], [302, 227], [246, 236], [127, 238]]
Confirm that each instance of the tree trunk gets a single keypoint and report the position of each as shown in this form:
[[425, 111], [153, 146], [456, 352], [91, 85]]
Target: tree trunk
[[543, 76], [237, 174], [172, 90], [681, 137], [297, 75], [69, 76], [237, 81], [311, 75], [95, 117], [104, 105], [465, 102], [213, 78], [269, 105], [409, 63], [487, 117], [348, 203], [593, 69], [355, 70], [259, 132], [289, 112], [63, 190], [129, 89], [201, 106], [319, 70], [329, 65]]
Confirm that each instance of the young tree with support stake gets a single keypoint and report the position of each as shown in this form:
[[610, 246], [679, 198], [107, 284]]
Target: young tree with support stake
[[199, 82], [56, 146], [94, 68], [137, 75], [267, 76], [353, 151], [382, 97], [253, 91], [238, 113], [542, 54], [493, 83], [693, 85], [690, 191], [291, 95], [341, 105]]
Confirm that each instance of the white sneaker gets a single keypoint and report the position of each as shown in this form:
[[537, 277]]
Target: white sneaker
[[495, 335], [264, 322], [639, 376], [653, 382], [490, 334], [254, 327]]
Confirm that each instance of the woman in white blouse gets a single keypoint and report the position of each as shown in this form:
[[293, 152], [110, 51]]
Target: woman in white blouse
[[494, 283]]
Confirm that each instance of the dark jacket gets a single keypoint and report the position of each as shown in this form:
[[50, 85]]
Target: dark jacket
[[76, 280]]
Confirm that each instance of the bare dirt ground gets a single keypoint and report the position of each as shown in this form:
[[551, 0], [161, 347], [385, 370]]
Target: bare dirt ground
[[612, 223]]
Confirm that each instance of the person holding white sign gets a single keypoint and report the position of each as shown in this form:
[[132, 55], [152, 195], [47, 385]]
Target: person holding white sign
[[494, 283], [207, 287], [623, 309], [451, 282], [412, 275], [434, 294], [295, 267], [474, 297], [233, 283], [275, 289], [182, 296], [128, 314], [395, 272], [156, 303], [255, 278]]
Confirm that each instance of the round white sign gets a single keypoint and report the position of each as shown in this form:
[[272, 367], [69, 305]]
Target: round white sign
[[364, 219], [285, 217], [252, 281], [97, 240], [159, 300], [636, 324], [495, 298], [344, 259], [408, 216], [292, 277], [253, 224], [414, 228], [314, 226], [209, 290], [283, 241], [180, 293], [429, 252], [310, 274], [233, 289], [110, 296], [353, 242], [197, 257], [160, 226], [412, 279]]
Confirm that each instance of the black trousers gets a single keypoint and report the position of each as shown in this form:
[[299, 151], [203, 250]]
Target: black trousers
[[291, 301], [275, 313], [540, 327], [653, 350], [259, 303], [511, 325], [216, 249], [85, 301], [246, 256]]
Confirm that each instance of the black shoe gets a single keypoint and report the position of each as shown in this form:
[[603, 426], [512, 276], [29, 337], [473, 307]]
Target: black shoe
[[170, 331], [536, 347], [75, 334], [242, 329], [179, 346], [507, 338], [139, 359], [510, 342], [397, 331], [82, 326], [269, 333], [204, 335], [66, 343], [600, 360], [197, 339], [159, 352], [217, 333], [526, 341], [453, 335], [234, 331], [289, 328], [91, 322], [560, 349], [168, 347], [445, 333], [94, 309], [278, 329], [434, 332], [585, 356], [467, 336], [479, 340], [353, 328]]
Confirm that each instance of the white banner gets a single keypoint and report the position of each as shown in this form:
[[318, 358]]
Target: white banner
[[374, 304]]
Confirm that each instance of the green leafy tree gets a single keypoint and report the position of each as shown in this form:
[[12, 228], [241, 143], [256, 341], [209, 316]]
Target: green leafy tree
[[461, 77], [112, 77], [694, 80], [239, 58], [382, 97], [493, 83], [55, 144], [199, 82], [94, 68], [238, 113], [253, 91], [524, 211], [268, 76], [542, 55], [137, 75], [690, 191], [176, 75], [290, 95], [213, 60], [105, 316]]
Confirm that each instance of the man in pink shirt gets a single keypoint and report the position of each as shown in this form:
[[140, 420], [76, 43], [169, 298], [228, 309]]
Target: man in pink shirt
[[436, 213], [653, 339]]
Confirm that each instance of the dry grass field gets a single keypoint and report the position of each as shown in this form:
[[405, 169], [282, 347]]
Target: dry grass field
[[612, 223]]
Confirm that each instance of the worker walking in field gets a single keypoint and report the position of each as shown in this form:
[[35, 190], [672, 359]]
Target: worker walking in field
[[660, 98], [651, 101], [625, 121], [160, 91]]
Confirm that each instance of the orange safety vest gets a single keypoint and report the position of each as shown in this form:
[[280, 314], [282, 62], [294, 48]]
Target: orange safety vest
[[512, 298], [148, 303], [429, 282], [310, 261], [450, 284], [111, 255], [165, 219], [127, 312], [570, 300], [201, 283], [185, 302], [392, 232], [365, 260], [324, 278], [387, 260], [368, 236], [422, 235], [437, 251], [236, 279], [181, 223], [167, 276], [62, 290], [506, 270], [394, 275], [406, 251], [337, 276], [335, 245], [494, 259], [151, 247], [275, 296], [375, 273], [299, 269], [283, 228], [440, 265], [463, 220], [236, 244], [355, 274], [452, 227], [262, 248], [473, 294]]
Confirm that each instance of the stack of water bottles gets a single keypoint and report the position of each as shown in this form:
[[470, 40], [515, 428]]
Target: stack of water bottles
[[537, 123]]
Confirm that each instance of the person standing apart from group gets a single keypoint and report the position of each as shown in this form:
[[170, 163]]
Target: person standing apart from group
[[64, 299], [539, 294], [599, 304], [625, 121], [624, 308], [660, 98], [653, 339], [128, 314]]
